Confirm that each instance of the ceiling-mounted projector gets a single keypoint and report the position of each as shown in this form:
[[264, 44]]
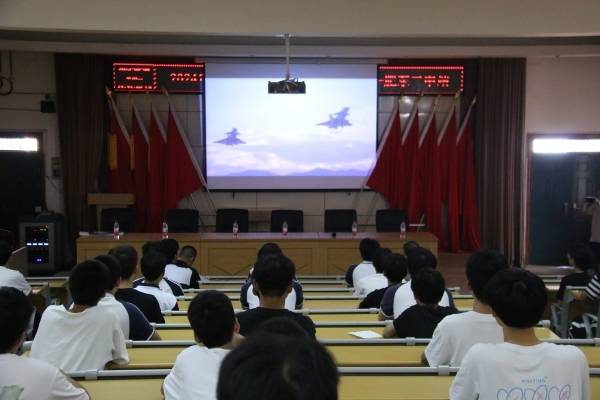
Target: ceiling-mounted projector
[[288, 85]]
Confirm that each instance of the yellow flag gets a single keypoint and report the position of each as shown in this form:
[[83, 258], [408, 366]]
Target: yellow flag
[[112, 152]]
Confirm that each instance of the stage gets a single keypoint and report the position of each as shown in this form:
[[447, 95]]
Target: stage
[[313, 253]]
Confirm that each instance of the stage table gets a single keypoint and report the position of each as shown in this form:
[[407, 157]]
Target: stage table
[[313, 253]]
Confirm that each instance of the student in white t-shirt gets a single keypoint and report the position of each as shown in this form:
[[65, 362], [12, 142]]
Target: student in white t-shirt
[[370, 283], [196, 369], [21, 377], [368, 247], [404, 298], [457, 333], [521, 367], [9, 277], [86, 336], [153, 268]]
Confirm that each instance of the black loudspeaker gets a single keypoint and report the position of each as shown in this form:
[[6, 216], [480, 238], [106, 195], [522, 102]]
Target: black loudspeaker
[[47, 106]]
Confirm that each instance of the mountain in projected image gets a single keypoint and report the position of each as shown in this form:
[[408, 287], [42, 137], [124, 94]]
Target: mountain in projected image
[[313, 172]]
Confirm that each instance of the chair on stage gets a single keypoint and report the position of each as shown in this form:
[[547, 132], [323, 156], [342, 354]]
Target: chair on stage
[[294, 219], [124, 216], [389, 220], [339, 220], [226, 217], [183, 220]]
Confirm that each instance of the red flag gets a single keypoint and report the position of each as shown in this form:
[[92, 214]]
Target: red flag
[[157, 146], [183, 175], [139, 156], [430, 174], [119, 152], [469, 231], [411, 186], [448, 168], [384, 176]]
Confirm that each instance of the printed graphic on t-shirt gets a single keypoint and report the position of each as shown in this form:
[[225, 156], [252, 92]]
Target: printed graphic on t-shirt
[[535, 389], [12, 392]]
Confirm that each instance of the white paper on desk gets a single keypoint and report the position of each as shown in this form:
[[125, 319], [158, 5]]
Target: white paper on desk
[[366, 334]]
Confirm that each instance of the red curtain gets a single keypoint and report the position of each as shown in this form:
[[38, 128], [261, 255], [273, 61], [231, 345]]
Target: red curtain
[[469, 230], [119, 152], [140, 168], [156, 176]]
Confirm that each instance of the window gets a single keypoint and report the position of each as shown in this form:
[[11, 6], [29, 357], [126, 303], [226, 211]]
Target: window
[[564, 146], [25, 144]]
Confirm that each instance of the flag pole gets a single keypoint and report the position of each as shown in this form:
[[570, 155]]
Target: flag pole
[[448, 117], [429, 120], [201, 175], [466, 119]]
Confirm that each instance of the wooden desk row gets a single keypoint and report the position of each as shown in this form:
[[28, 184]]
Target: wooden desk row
[[313, 253]]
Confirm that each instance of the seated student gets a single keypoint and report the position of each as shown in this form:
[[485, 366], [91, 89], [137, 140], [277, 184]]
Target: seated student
[[146, 303], [25, 378], [368, 248], [386, 306], [10, 277], [166, 285], [85, 336], [153, 269], [272, 281], [196, 369], [584, 261], [181, 270], [456, 334], [521, 366], [249, 299], [420, 320], [418, 258], [271, 366], [133, 322], [394, 270], [376, 281], [281, 326]]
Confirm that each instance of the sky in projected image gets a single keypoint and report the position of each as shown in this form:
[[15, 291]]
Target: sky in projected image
[[329, 131]]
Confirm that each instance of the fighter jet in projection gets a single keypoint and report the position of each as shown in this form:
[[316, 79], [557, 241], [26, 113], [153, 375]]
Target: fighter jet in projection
[[337, 120], [231, 139]]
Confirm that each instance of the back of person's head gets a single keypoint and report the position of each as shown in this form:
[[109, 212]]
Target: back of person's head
[[368, 247], [153, 246], [128, 258], [88, 282], [428, 286], [395, 267], [419, 258], [281, 326], [188, 253], [153, 265], [268, 249], [5, 252], [517, 297], [278, 367], [212, 318], [171, 247], [15, 314], [411, 244], [583, 259], [380, 255], [114, 269], [481, 266], [273, 274]]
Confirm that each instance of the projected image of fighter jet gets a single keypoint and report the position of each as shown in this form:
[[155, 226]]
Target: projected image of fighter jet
[[231, 139], [337, 120]]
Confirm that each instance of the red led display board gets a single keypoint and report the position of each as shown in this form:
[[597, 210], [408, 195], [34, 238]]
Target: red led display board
[[151, 77], [394, 80]]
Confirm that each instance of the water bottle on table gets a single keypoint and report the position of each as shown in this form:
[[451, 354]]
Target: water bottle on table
[[165, 230], [354, 228], [403, 230], [235, 229], [116, 230], [284, 228]]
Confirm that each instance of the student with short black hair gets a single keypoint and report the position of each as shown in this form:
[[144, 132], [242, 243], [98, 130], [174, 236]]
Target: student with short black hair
[[181, 270], [195, 372], [133, 322], [248, 297], [273, 277], [153, 265], [278, 367], [85, 336], [522, 363], [368, 248], [456, 334], [394, 270], [146, 303], [420, 320], [24, 377], [10, 277], [375, 281], [165, 248], [418, 258], [584, 261]]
